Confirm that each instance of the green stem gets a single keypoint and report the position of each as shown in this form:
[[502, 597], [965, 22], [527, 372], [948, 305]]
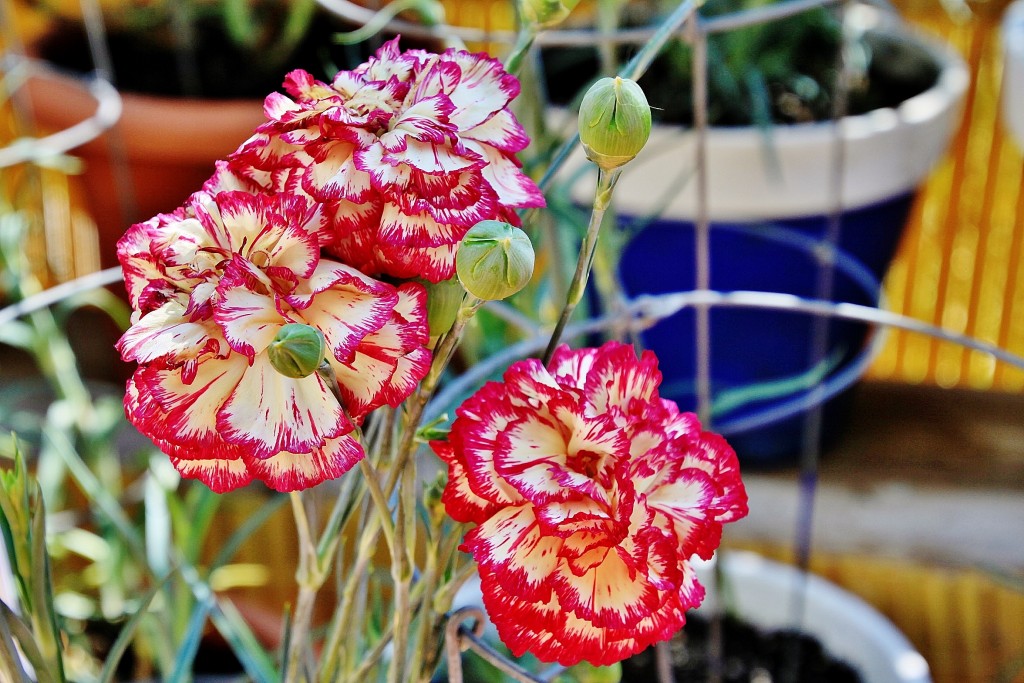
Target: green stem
[[380, 502], [368, 538], [310, 579], [524, 41], [401, 571], [605, 184]]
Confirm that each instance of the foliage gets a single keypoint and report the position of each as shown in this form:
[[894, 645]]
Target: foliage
[[782, 71]]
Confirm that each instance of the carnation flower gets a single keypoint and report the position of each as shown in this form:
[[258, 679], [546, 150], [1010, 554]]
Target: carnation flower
[[589, 494], [405, 152], [211, 285]]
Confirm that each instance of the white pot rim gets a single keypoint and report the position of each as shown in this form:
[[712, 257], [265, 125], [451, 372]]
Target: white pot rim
[[847, 627]]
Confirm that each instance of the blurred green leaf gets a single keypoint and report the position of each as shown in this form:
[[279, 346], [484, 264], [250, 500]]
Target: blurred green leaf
[[127, 633]]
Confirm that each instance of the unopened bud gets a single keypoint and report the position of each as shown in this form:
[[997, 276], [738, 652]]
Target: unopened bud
[[614, 122], [495, 260], [297, 350], [545, 13], [443, 301]]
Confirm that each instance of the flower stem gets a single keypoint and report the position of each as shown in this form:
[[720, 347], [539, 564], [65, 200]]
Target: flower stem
[[524, 41], [310, 579], [605, 184], [381, 503]]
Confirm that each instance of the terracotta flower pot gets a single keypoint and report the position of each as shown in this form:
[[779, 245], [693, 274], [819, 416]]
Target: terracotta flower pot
[[160, 151]]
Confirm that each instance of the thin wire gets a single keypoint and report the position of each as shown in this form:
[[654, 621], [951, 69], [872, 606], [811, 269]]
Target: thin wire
[[53, 295], [108, 112]]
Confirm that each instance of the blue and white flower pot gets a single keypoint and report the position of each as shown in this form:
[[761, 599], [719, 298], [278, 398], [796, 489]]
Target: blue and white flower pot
[[769, 198]]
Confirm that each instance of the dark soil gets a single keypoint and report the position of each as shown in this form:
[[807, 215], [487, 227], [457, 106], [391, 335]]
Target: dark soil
[[750, 656], [782, 72], [215, 68]]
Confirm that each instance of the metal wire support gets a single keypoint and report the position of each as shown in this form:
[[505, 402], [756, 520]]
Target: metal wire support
[[18, 68], [458, 638]]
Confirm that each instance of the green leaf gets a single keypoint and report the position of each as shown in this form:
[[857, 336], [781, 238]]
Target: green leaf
[[44, 616], [13, 629], [190, 643], [255, 660], [202, 506], [588, 673], [239, 23], [124, 638]]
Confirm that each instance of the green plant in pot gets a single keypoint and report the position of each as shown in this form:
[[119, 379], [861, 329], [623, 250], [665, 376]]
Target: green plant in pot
[[781, 182]]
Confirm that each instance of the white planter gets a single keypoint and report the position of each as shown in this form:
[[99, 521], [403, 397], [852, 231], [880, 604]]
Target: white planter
[[886, 152], [1013, 70], [848, 628], [764, 593]]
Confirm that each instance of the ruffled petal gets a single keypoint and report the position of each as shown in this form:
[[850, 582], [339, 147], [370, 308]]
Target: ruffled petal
[[287, 471], [589, 494], [220, 474], [268, 412], [511, 547]]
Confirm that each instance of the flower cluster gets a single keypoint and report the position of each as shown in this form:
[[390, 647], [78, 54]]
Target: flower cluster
[[282, 303], [405, 154], [378, 174], [590, 494]]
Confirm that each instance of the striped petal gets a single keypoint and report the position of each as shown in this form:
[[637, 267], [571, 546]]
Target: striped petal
[[511, 546], [185, 413], [268, 412], [388, 364], [220, 474], [287, 471], [167, 334], [344, 304], [611, 594], [249, 317]]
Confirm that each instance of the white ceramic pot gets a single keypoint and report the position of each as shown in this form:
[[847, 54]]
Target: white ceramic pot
[[789, 171], [764, 595], [1013, 70]]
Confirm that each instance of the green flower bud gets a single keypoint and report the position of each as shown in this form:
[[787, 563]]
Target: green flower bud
[[297, 350], [614, 122], [444, 299], [545, 13], [494, 261]]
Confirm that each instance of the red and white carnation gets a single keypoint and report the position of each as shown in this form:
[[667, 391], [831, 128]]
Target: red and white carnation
[[405, 153], [589, 494], [211, 284]]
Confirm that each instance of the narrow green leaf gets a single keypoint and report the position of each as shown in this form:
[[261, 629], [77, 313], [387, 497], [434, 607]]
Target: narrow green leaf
[[190, 643], [18, 334], [255, 660], [18, 630], [49, 637], [97, 494], [158, 526], [239, 23], [202, 508], [124, 638]]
